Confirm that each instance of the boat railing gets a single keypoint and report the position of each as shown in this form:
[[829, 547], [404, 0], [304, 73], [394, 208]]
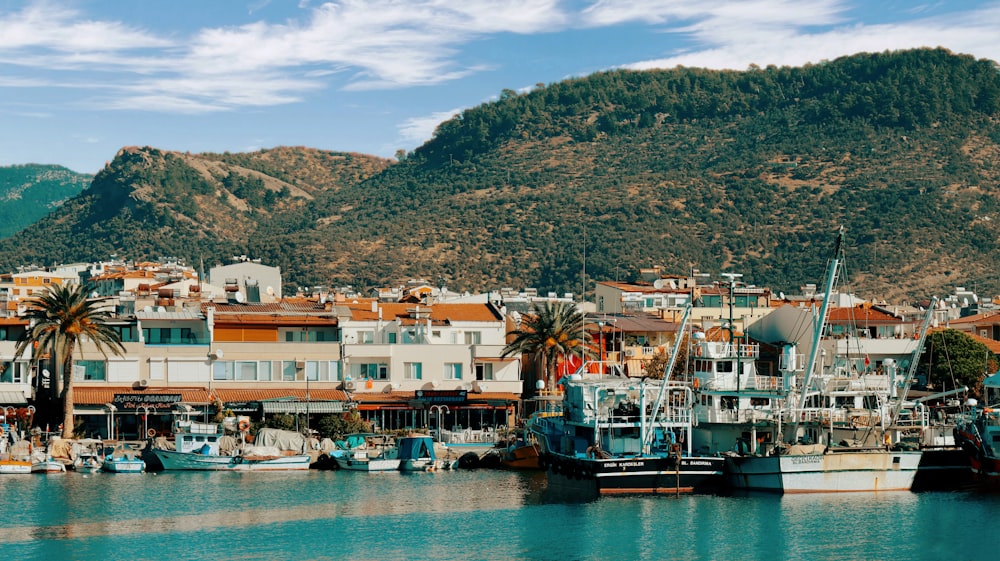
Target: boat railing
[[768, 383], [722, 349]]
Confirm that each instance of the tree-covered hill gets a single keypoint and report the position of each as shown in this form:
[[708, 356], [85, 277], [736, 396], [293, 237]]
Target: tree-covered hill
[[29, 192], [724, 171]]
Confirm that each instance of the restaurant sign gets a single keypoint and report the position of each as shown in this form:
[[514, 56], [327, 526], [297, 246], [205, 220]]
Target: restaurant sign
[[445, 397], [147, 400]]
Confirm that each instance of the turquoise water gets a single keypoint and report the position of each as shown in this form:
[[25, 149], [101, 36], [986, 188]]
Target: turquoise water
[[466, 515]]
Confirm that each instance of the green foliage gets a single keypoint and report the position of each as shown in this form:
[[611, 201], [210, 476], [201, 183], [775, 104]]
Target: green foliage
[[952, 359], [591, 178], [29, 192], [336, 427], [283, 421], [552, 333]]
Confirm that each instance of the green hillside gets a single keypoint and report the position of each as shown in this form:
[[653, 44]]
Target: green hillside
[[29, 192], [723, 171]]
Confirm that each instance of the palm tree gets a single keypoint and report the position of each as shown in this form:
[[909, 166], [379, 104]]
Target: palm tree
[[553, 332], [58, 320]]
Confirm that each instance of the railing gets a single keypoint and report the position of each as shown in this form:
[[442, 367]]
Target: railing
[[768, 383], [714, 349]]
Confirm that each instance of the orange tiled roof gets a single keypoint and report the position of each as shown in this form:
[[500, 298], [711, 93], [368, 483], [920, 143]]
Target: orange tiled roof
[[982, 317], [84, 395], [860, 314], [439, 313]]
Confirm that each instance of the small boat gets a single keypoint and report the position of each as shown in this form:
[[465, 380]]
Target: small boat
[[197, 447], [123, 460], [416, 453], [47, 465], [373, 452], [978, 433], [11, 467]]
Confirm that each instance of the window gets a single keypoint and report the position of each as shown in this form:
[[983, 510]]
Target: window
[[409, 336], [223, 370], [725, 366], [312, 370], [392, 338], [288, 371], [373, 371], [453, 371], [484, 370], [13, 372], [89, 370], [413, 370], [473, 338], [246, 370], [366, 337]]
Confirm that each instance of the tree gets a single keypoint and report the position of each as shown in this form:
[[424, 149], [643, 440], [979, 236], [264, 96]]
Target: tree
[[953, 359], [554, 331], [57, 320]]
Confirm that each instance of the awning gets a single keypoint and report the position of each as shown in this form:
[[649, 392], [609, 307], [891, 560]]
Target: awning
[[300, 407], [12, 398]]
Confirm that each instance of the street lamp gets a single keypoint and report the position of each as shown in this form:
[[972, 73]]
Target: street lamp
[[439, 409], [111, 420]]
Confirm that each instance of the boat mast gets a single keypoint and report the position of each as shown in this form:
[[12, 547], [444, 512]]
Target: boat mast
[[647, 425], [912, 370], [820, 325]]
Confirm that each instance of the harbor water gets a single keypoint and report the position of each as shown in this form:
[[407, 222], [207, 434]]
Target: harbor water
[[466, 514]]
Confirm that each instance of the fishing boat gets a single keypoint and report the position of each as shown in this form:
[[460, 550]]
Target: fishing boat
[[416, 453], [805, 456], [619, 435], [197, 446], [371, 452], [47, 464], [123, 460], [978, 433]]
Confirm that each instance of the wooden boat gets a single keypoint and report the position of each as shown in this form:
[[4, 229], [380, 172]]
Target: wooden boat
[[416, 453], [15, 467], [371, 452], [123, 461], [197, 448], [47, 465]]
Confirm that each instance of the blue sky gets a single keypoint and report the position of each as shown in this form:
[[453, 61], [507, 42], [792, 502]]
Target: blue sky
[[81, 79]]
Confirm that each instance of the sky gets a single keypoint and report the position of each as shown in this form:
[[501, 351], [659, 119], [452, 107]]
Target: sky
[[80, 79]]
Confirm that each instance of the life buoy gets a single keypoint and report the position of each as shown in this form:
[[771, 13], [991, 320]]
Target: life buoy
[[243, 424], [151, 433], [697, 383], [1, 432]]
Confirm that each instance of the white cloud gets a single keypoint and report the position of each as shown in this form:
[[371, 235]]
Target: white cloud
[[418, 130]]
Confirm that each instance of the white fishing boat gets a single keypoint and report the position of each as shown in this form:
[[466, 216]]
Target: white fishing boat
[[197, 447], [47, 465], [805, 456], [416, 453], [372, 452], [123, 460]]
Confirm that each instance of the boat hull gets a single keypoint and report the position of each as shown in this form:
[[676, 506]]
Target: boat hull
[[848, 471], [173, 460], [651, 475], [48, 466], [14, 467], [378, 464], [521, 457], [124, 465]]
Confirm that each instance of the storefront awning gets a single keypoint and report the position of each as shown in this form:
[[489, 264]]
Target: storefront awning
[[300, 407], [12, 398]]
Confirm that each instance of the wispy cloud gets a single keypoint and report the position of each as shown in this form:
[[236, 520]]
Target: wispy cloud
[[418, 129]]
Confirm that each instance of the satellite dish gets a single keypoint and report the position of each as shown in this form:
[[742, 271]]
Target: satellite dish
[[240, 298], [269, 290], [217, 354]]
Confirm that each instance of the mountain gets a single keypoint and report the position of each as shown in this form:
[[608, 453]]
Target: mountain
[[29, 192], [749, 172]]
